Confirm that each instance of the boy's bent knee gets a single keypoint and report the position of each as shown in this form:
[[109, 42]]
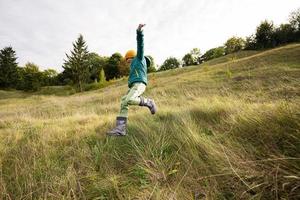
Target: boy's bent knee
[[123, 98], [124, 103], [132, 101]]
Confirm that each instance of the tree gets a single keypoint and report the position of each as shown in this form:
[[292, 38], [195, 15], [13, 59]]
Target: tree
[[284, 34], [294, 19], [265, 35], [188, 59], [78, 63], [196, 54], [8, 68], [234, 44], [31, 77], [65, 77], [170, 63], [123, 68], [49, 77], [112, 68], [192, 58], [213, 53], [96, 63], [20, 81], [250, 43]]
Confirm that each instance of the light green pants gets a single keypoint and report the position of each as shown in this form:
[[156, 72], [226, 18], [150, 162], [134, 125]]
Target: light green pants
[[131, 98]]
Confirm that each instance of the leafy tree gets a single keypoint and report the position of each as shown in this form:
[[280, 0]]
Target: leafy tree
[[96, 63], [78, 63], [196, 54], [284, 34], [31, 77], [192, 58], [213, 53], [250, 43], [8, 68], [294, 19], [49, 77], [112, 68], [20, 81], [123, 68], [188, 59], [170, 63], [234, 44], [265, 35]]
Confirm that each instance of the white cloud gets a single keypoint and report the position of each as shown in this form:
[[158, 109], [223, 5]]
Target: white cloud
[[42, 31]]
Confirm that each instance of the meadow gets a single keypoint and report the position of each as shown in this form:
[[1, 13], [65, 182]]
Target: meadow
[[226, 129]]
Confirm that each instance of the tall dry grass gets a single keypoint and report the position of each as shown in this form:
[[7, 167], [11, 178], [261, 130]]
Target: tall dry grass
[[229, 129]]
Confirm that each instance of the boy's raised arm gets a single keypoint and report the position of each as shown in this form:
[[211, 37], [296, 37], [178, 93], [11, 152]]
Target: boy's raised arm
[[140, 41]]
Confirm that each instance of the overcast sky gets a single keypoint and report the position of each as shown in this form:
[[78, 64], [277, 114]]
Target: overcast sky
[[42, 31]]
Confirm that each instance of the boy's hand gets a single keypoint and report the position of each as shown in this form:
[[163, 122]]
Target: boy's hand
[[140, 26]]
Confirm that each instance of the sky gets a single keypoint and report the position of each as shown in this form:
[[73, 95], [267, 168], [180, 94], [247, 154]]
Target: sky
[[42, 31]]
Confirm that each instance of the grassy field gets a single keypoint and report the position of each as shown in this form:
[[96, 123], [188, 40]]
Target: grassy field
[[226, 129]]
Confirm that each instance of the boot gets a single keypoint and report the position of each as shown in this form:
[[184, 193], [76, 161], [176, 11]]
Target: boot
[[120, 129], [149, 103]]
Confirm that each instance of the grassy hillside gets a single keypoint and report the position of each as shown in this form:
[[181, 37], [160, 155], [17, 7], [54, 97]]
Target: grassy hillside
[[227, 129]]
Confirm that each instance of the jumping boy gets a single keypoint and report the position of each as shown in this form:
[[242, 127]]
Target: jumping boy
[[137, 83]]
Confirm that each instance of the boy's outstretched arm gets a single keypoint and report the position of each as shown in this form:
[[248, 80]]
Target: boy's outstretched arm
[[140, 41]]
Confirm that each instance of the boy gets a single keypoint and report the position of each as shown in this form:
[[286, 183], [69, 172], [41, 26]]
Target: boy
[[137, 83]]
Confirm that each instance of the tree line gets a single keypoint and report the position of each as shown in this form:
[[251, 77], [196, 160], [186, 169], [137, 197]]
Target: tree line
[[267, 35], [82, 67]]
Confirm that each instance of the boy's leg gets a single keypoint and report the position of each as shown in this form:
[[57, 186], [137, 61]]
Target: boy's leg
[[121, 121], [124, 107], [132, 98], [148, 103]]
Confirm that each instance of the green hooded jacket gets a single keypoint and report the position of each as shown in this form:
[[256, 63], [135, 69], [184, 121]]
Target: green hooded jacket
[[138, 66]]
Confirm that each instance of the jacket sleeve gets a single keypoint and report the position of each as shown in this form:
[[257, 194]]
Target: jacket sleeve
[[140, 44]]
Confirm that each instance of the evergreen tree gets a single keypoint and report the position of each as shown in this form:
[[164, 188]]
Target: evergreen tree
[[8, 68], [78, 63]]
